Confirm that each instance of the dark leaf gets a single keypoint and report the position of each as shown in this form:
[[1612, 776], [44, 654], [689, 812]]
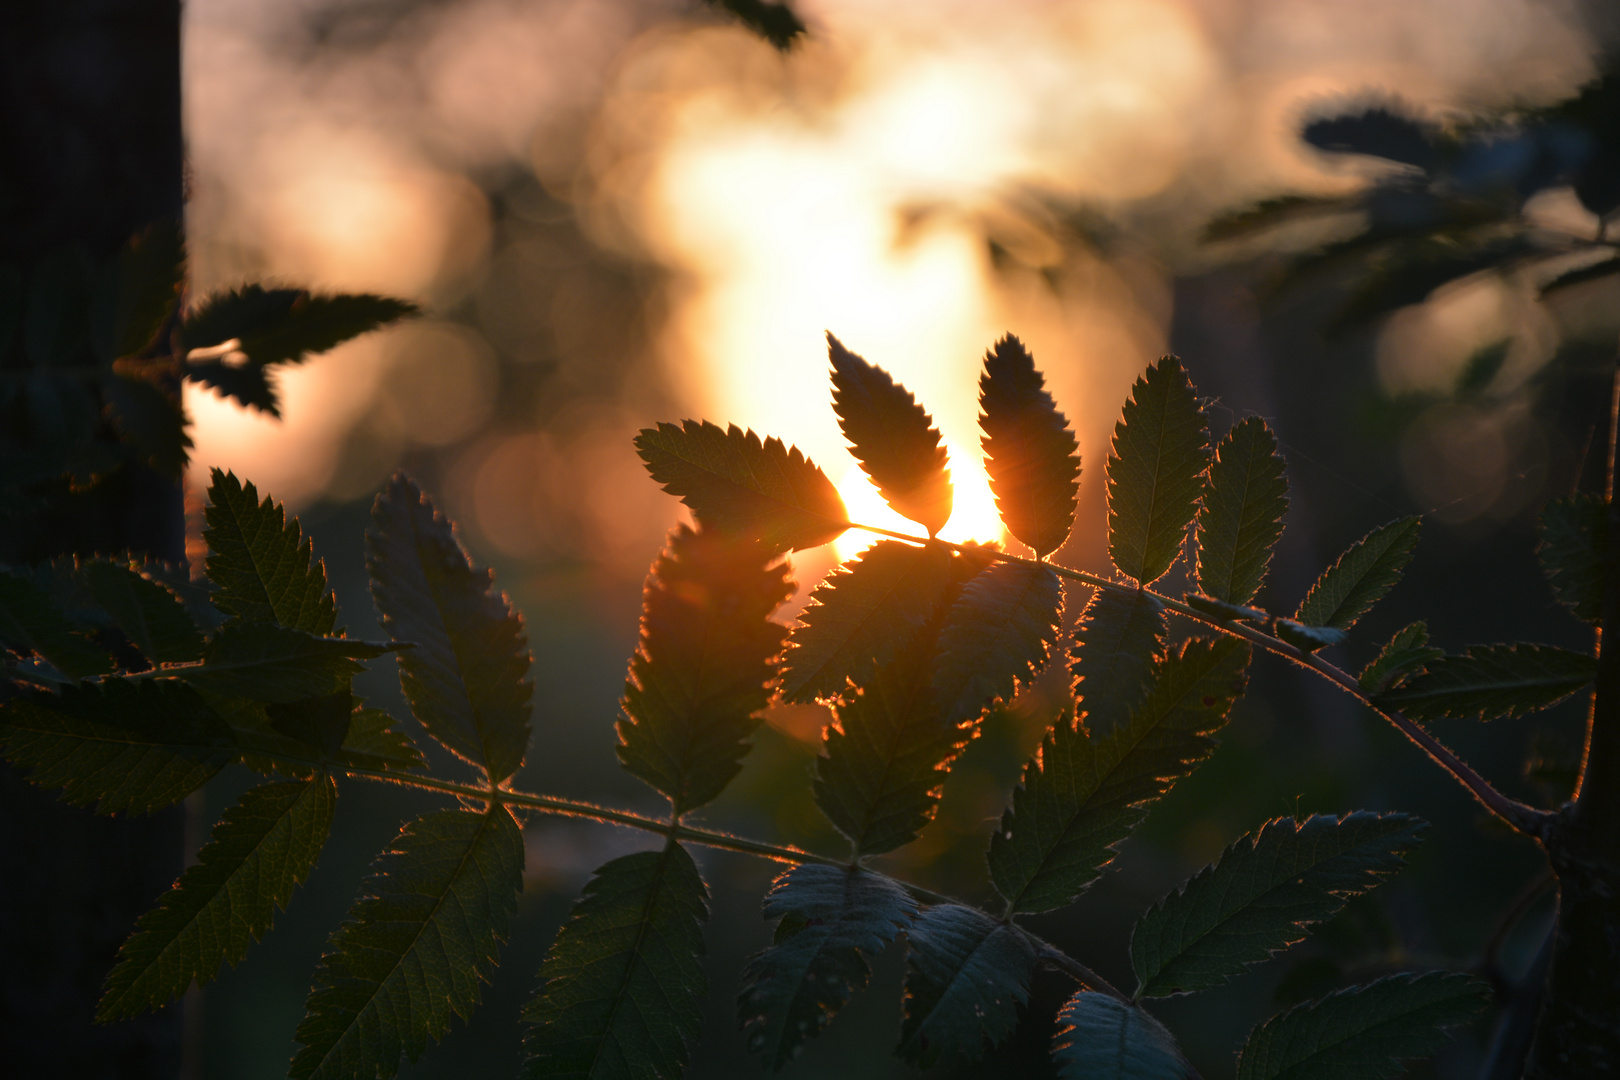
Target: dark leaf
[[318, 722], [274, 664], [1029, 452], [1407, 651], [1155, 471], [997, 637], [1580, 275], [1274, 213], [261, 567], [276, 326], [966, 975], [1103, 1038], [29, 622], [150, 272], [1574, 538], [1241, 517], [151, 420], [149, 615], [250, 384], [1361, 577], [1384, 131], [774, 21], [1488, 682], [1118, 641], [372, 743]]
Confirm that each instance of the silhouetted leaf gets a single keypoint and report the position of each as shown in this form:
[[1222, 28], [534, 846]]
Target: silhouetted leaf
[[996, 637], [276, 326], [372, 743], [1363, 1032], [1308, 638], [1361, 577], [623, 985], [1274, 213], [264, 846], [1103, 1038], [705, 667], [1412, 271], [250, 384], [1155, 471], [966, 975], [1407, 651], [1119, 639], [1580, 275], [833, 920], [261, 567], [1574, 539], [29, 622], [1491, 681], [770, 19], [1384, 130], [150, 420], [467, 678], [149, 615], [419, 940], [274, 664], [1240, 521], [1264, 894], [1030, 454], [147, 277], [732, 481]]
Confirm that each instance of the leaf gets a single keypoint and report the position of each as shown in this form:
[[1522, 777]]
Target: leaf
[[623, 985], [732, 481], [372, 743], [147, 276], [250, 384], [149, 615], [263, 846], [275, 664], [1155, 468], [1361, 577], [276, 326], [467, 678], [261, 568], [770, 19], [418, 941], [1264, 894], [29, 622], [861, 615], [1362, 1032], [1030, 454], [997, 636], [892, 437], [1488, 682], [966, 975], [1103, 1038], [833, 921], [1275, 212], [318, 722], [705, 666], [1081, 795], [1574, 540], [151, 420], [129, 746], [1308, 638], [1119, 640], [1408, 650], [1240, 521]]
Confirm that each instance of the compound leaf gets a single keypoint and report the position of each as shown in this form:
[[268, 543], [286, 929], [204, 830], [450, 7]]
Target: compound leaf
[[1119, 639], [732, 481], [416, 945], [30, 622], [1240, 521], [1155, 471], [274, 326], [1030, 454], [1103, 1038], [1407, 651], [1361, 577], [1264, 894], [149, 615], [1491, 681], [269, 663], [892, 437], [261, 567], [705, 666], [997, 635], [833, 920], [262, 847], [1362, 1032], [1574, 538], [623, 984], [966, 975], [467, 678]]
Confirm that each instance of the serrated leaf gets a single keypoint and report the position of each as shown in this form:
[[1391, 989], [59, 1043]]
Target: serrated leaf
[[1361, 577], [1155, 471], [1240, 520], [250, 384], [269, 663], [372, 743], [1308, 638], [29, 622], [151, 420], [1082, 795], [1488, 682], [966, 975], [833, 920], [1408, 650], [1264, 894], [262, 567], [467, 678], [1362, 1032], [276, 326], [705, 666], [892, 437], [129, 746], [423, 934], [261, 848], [149, 615], [1030, 454], [1574, 540], [732, 481], [1103, 1038], [1119, 640], [997, 637], [321, 723], [623, 984]]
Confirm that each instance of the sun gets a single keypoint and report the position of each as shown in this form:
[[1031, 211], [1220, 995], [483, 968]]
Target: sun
[[973, 514]]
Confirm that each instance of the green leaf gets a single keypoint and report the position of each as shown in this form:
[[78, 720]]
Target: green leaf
[[149, 615], [997, 636], [1155, 471], [1574, 539], [1361, 577], [966, 975], [833, 921], [1264, 894], [705, 666], [732, 481], [623, 984], [1030, 454], [1082, 795], [416, 946], [1407, 651], [129, 746], [150, 419], [770, 19], [861, 614], [467, 678], [30, 622], [261, 567], [892, 437], [1362, 1032], [372, 743], [264, 846], [276, 326], [150, 272], [1240, 521], [1119, 640], [1488, 682], [272, 663], [1103, 1038], [318, 722]]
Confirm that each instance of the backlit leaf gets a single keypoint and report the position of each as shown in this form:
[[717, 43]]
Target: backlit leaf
[[1408, 650], [261, 566], [373, 743], [997, 636], [966, 975], [1361, 577], [1119, 639], [1155, 471], [149, 274], [285, 325], [1241, 517], [1574, 540], [30, 622], [149, 615], [321, 723], [1029, 452], [273, 663], [1488, 682], [150, 420], [1103, 1038]]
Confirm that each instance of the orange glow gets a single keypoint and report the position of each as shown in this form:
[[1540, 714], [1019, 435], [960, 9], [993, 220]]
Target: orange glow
[[973, 513]]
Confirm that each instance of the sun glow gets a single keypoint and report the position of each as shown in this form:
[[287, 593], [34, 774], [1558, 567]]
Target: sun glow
[[973, 511]]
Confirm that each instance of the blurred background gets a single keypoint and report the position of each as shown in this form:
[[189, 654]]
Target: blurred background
[[618, 212]]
